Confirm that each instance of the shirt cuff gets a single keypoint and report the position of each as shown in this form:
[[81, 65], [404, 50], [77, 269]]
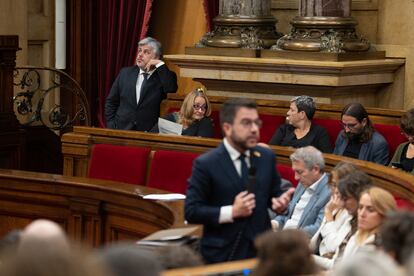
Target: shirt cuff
[[226, 214], [161, 63]]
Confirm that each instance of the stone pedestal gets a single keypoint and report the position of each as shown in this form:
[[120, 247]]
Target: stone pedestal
[[242, 24], [365, 81], [323, 26]]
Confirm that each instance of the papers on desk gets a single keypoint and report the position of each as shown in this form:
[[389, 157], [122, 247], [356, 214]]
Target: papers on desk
[[168, 127], [164, 197]]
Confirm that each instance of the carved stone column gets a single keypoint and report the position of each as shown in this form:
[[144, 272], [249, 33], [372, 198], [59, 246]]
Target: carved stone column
[[323, 26], [242, 24]]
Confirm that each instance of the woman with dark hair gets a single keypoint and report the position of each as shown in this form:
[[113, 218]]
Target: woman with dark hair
[[299, 131], [350, 187], [325, 241], [193, 115], [358, 139], [404, 155]]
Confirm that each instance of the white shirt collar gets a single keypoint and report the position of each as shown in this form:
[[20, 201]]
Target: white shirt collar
[[314, 185], [234, 154], [149, 72]]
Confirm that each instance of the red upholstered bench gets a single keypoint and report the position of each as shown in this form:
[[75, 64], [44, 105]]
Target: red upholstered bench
[[333, 127], [170, 170], [287, 173], [393, 136], [119, 163]]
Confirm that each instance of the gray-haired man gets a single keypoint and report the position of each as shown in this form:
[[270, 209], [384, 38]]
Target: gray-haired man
[[306, 209], [135, 97]]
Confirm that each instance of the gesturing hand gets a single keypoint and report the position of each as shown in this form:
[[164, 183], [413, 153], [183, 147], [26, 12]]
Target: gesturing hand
[[151, 64], [243, 204], [280, 204]]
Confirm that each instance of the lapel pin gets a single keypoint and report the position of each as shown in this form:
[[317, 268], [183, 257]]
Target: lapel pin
[[256, 154]]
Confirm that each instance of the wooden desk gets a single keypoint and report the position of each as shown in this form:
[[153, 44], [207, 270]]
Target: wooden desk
[[92, 211]]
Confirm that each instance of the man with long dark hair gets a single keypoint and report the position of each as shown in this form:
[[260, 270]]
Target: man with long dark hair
[[358, 139]]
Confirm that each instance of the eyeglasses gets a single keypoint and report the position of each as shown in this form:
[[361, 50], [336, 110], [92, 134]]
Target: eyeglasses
[[249, 123], [200, 107], [350, 126]]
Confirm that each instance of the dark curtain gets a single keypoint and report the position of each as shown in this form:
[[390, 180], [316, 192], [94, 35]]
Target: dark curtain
[[121, 24], [211, 10]]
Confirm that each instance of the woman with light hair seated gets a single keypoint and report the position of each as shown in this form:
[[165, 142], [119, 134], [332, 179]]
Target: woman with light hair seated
[[299, 131], [374, 204], [334, 235], [193, 115]]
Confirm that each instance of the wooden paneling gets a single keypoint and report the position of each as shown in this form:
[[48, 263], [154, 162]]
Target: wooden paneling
[[92, 211], [398, 182]]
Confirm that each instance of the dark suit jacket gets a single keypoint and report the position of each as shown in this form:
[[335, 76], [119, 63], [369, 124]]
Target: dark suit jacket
[[121, 108], [375, 150], [215, 183]]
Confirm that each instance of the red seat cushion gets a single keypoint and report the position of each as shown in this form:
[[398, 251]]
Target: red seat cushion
[[170, 170], [287, 173], [119, 163], [270, 124], [333, 127], [393, 136], [404, 204]]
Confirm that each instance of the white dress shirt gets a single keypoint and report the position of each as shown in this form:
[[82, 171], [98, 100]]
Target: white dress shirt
[[293, 221], [140, 79], [226, 212]]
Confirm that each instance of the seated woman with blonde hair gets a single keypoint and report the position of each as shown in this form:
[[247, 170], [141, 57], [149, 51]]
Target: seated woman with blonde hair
[[193, 115], [374, 204]]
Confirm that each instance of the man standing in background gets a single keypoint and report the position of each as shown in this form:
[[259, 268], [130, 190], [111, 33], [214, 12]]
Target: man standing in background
[[135, 97]]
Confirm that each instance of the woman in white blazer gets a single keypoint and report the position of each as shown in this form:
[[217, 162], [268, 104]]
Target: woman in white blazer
[[350, 187]]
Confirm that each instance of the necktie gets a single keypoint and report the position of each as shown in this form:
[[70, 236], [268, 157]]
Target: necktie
[[244, 169], [145, 75], [141, 90]]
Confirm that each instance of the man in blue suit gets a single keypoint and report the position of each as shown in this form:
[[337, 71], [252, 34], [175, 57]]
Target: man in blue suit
[[231, 187], [306, 208], [135, 97]]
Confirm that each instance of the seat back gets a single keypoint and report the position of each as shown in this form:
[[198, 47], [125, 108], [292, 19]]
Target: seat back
[[119, 163], [287, 173], [393, 136], [170, 170]]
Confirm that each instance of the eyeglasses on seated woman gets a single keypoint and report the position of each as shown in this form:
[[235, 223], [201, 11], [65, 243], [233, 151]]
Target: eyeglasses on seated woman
[[193, 115]]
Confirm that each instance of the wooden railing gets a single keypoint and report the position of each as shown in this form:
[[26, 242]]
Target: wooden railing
[[92, 211], [76, 147]]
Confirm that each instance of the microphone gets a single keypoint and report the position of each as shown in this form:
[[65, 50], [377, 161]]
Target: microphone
[[251, 177]]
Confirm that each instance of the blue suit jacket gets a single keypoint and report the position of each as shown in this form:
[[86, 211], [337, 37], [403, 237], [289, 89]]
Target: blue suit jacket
[[215, 183], [314, 211], [375, 150], [121, 108]]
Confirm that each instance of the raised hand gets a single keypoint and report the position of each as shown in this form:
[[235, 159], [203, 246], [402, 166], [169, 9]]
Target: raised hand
[[280, 204], [243, 204]]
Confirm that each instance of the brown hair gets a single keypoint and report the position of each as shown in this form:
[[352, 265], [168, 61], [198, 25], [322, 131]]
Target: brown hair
[[359, 112], [407, 122], [187, 109], [284, 253], [340, 170]]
